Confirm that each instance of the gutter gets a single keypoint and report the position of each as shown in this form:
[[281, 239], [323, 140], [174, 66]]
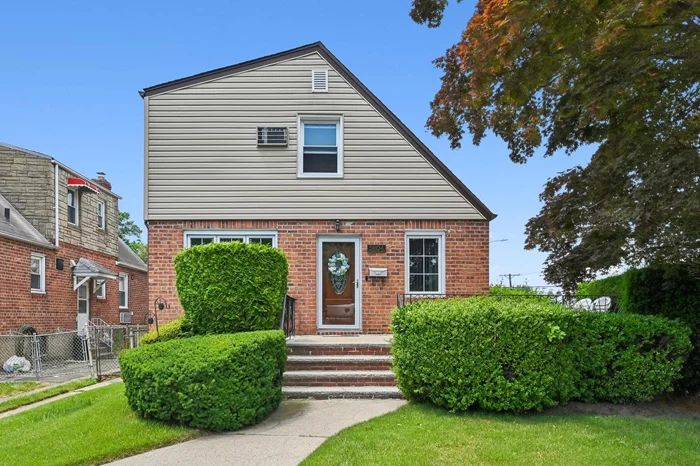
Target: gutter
[[130, 266], [46, 245], [55, 196]]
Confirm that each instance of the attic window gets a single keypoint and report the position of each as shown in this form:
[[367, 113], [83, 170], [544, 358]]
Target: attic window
[[272, 136], [319, 80]]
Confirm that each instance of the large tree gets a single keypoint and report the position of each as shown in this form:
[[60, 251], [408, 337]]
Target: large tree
[[131, 233], [623, 75]]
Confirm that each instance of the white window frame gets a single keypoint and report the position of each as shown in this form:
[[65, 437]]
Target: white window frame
[[101, 218], [76, 201], [245, 235], [100, 288], [123, 278], [42, 273], [425, 234], [301, 120]]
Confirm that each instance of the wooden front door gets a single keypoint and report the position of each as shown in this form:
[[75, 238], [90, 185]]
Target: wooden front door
[[339, 280]]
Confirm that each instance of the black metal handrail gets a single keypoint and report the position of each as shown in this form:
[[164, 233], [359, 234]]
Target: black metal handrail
[[287, 324], [583, 302]]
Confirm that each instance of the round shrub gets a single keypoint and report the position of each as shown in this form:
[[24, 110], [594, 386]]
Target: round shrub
[[213, 382], [172, 330], [231, 287], [509, 354]]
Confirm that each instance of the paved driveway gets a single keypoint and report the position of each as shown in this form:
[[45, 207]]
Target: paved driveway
[[286, 437]]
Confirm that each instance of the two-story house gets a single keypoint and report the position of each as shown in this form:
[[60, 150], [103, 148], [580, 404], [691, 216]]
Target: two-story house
[[63, 263], [292, 150]]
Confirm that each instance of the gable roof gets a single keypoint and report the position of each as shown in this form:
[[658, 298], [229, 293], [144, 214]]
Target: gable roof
[[18, 228], [128, 258], [321, 49]]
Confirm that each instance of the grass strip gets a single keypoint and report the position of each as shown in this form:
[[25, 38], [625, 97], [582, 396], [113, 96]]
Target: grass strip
[[44, 394]]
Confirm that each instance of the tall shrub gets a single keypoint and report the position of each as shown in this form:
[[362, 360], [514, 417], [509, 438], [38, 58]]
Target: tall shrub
[[671, 292], [514, 354], [231, 287], [214, 382]]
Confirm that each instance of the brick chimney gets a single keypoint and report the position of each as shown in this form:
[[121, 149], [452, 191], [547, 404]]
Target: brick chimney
[[102, 181]]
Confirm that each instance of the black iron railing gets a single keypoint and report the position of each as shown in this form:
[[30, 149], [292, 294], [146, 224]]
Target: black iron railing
[[597, 303], [288, 316]]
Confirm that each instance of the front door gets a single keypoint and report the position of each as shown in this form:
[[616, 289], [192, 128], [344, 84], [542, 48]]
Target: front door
[[339, 283], [83, 306]]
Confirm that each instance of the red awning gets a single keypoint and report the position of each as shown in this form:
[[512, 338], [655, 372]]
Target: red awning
[[80, 183]]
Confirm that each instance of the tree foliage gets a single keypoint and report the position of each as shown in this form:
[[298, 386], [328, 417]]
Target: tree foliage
[[131, 233], [623, 75]]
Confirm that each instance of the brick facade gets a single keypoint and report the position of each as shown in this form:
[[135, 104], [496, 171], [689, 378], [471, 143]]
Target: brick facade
[[27, 182], [466, 258], [57, 307]]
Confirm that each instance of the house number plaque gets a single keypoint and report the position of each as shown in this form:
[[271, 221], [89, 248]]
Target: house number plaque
[[376, 248]]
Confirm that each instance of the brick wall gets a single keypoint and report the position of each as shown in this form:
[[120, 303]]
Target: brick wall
[[57, 308], [466, 244]]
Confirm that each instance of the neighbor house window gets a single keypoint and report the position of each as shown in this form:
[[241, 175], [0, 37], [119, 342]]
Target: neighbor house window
[[101, 215], [38, 273], [320, 151], [194, 238], [72, 201], [425, 262], [101, 289], [123, 291]]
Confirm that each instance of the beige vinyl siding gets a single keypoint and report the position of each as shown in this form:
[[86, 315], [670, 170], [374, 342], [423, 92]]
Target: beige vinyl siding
[[203, 161]]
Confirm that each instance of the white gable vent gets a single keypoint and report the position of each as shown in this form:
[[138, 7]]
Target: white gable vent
[[319, 80], [272, 136]]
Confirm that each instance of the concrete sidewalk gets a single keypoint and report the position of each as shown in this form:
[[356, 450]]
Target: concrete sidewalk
[[286, 437]]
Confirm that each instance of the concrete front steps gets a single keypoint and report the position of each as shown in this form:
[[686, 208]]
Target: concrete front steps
[[326, 367]]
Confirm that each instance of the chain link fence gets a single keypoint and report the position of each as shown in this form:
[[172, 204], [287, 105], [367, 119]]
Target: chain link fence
[[91, 352]]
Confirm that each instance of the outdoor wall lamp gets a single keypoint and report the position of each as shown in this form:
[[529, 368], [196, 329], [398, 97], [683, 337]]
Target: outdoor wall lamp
[[337, 226]]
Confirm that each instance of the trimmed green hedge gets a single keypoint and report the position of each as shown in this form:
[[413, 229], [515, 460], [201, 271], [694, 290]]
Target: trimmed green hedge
[[172, 330], [231, 287], [672, 292], [213, 382], [515, 355]]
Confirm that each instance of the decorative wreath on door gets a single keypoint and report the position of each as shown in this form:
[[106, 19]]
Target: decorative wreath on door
[[338, 267]]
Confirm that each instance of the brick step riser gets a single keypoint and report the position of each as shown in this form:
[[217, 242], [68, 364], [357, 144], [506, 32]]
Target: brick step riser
[[337, 366], [335, 396], [338, 351], [386, 381]]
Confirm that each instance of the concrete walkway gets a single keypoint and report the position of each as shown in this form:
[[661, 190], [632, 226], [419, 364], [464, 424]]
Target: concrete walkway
[[286, 437]]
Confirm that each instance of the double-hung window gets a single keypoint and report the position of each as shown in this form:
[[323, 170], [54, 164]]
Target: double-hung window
[[38, 273], [101, 215], [73, 207], [196, 238], [425, 262], [100, 289], [123, 291], [320, 146]]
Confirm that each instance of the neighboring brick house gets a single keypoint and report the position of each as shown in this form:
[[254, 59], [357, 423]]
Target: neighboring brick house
[[292, 150], [62, 260]]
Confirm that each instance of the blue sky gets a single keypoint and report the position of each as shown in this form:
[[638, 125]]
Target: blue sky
[[70, 73]]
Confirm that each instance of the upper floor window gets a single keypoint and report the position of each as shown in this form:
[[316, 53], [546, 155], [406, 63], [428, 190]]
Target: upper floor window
[[425, 262], [195, 238], [320, 151], [123, 291], [38, 273], [101, 215], [73, 208]]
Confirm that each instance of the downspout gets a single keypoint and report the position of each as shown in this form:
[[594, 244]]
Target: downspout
[[55, 196]]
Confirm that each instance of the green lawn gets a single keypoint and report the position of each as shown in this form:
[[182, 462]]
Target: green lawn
[[13, 388], [13, 403], [88, 428], [422, 434]]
